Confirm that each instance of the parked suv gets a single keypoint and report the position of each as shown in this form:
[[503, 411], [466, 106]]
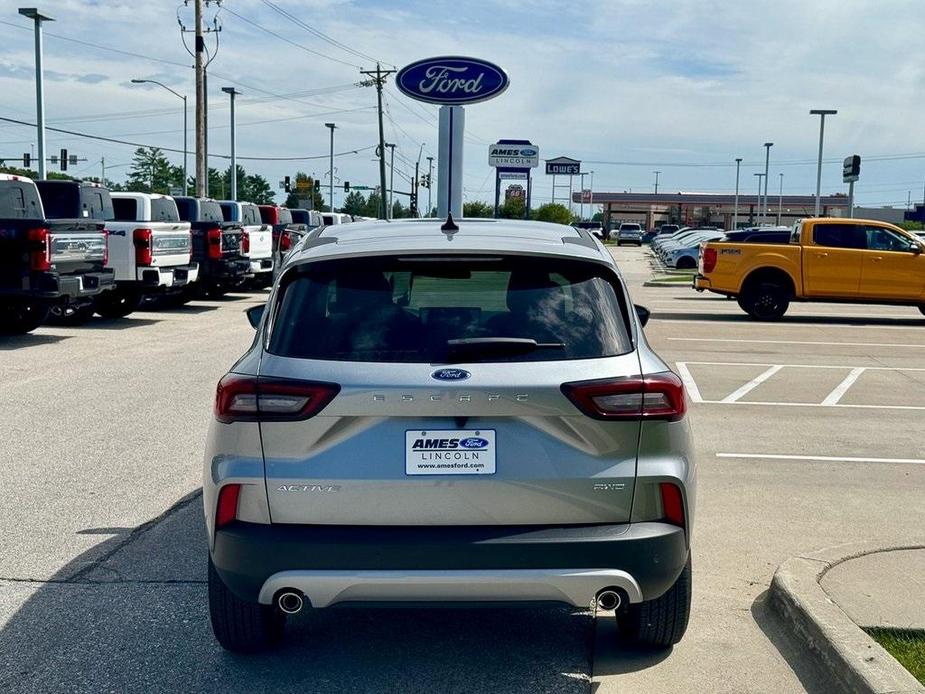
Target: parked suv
[[466, 413], [629, 233]]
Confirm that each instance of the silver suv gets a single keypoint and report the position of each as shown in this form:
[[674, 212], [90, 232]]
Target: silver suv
[[451, 413]]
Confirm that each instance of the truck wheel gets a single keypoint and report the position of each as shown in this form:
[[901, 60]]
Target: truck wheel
[[240, 626], [70, 315], [216, 291], [922, 310], [116, 304], [21, 317], [660, 622], [764, 300]]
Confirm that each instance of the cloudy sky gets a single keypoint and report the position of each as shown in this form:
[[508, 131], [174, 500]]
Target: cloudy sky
[[626, 86]]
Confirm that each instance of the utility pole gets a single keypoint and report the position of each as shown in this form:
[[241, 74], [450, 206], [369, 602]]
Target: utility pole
[[735, 212], [430, 183], [417, 166], [656, 181], [231, 91], [379, 80], [822, 113], [202, 172], [331, 177], [37, 17], [390, 209]]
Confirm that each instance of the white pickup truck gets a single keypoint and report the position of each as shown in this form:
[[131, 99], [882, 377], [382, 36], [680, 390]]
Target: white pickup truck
[[149, 250], [256, 239]]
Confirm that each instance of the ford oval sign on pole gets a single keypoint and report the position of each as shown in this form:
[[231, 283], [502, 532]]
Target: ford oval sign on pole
[[451, 82]]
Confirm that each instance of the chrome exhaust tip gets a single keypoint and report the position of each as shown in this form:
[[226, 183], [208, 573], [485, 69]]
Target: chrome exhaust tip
[[608, 599], [290, 602]]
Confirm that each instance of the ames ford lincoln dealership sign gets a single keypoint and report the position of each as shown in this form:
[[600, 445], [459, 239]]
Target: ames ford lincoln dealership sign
[[451, 80], [518, 156]]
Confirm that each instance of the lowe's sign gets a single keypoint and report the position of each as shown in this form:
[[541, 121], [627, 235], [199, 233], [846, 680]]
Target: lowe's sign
[[515, 156], [451, 80]]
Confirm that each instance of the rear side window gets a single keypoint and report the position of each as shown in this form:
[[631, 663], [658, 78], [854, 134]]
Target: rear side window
[[19, 201], [285, 216], [252, 215], [125, 209], [412, 310], [164, 210], [95, 203], [840, 235]]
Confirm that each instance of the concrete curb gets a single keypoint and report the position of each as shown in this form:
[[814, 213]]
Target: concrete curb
[[856, 662]]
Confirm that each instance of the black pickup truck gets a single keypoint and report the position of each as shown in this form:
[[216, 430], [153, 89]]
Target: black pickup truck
[[48, 262], [216, 247]]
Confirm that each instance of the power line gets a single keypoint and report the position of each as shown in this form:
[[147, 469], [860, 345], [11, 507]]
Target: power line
[[321, 35], [180, 151], [290, 41]]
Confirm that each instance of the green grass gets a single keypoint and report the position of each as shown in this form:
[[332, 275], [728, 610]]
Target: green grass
[[676, 279], [907, 646]]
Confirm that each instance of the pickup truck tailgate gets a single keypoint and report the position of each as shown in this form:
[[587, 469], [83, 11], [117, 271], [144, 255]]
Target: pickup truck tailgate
[[171, 244], [260, 242]]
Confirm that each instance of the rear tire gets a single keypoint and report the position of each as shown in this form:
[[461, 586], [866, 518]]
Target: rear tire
[[686, 263], [240, 626], [116, 304], [660, 622], [21, 317], [764, 300], [922, 310], [216, 291]]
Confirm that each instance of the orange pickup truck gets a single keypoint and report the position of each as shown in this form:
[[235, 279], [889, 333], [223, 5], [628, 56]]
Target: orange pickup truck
[[827, 259]]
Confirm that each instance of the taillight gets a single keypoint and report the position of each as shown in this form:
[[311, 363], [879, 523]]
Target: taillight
[[227, 508], [105, 247], [655, 396], [285, 241], [250, 399], [245, 242], [39, 258], [709, 259], [214, 242], [672, 503], [144, 253]]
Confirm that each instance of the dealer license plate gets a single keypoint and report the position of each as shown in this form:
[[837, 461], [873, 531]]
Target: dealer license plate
[[450, 452]]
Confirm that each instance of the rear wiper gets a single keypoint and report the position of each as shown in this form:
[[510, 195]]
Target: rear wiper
[[470, 347]]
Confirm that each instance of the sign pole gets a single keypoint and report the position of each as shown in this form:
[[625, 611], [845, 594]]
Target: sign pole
[[450, 161], [529, 195], [497, 191], [851, 199]]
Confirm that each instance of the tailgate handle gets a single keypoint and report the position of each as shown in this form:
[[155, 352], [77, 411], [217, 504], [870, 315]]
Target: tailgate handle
[[822, 255]]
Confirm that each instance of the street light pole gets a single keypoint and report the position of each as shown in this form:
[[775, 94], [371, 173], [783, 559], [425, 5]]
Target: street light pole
[[581, 205], [331, 177], [185, 126], [231, 91], [822, 113], [780, 198], [430, 183], [37, 17], [735, 212], [591, 198], [760, 176], [767, 160], [656, 181], [388, 212]]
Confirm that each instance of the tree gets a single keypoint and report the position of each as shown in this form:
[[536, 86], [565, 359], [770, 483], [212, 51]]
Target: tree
[[372, 205], [513, 208], [152, 172], [477, 208], [553, 212], [354, 203], [399, 211], [305, 192]]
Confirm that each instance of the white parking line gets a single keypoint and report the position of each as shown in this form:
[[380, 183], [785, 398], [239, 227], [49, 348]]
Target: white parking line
[[821, 458], [818, 326], [842, 388], [807, 314], [752, 384], [692, 390], [801, 366], [793, 342]]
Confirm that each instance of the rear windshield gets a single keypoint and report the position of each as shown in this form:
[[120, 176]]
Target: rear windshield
[[285, 216], [251, 215], [411, 309], [210, 211], [164, 210], [300, 216], [228, 211], [19, 200], [60, 200]]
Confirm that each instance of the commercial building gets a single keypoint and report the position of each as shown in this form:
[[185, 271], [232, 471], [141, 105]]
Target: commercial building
[[653, 209]]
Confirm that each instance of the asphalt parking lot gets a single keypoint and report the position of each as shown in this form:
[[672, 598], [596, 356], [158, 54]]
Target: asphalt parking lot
[[808, 433]]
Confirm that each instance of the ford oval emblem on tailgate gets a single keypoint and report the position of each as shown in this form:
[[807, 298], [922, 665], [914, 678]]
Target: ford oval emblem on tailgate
[[450, 374]]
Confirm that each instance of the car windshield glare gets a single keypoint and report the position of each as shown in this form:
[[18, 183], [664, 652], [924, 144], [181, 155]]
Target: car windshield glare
[[435, 310]]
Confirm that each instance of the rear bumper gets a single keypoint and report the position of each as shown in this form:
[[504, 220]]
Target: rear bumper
[[335, 564], [153, 278], [230, 272], [79, 286], [701, 282], [261, 265]]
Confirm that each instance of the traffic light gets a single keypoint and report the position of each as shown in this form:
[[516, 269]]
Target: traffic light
[[413, 204], [346, 186], [64, 160], [26, 160], [287, 186], [318, 184]]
